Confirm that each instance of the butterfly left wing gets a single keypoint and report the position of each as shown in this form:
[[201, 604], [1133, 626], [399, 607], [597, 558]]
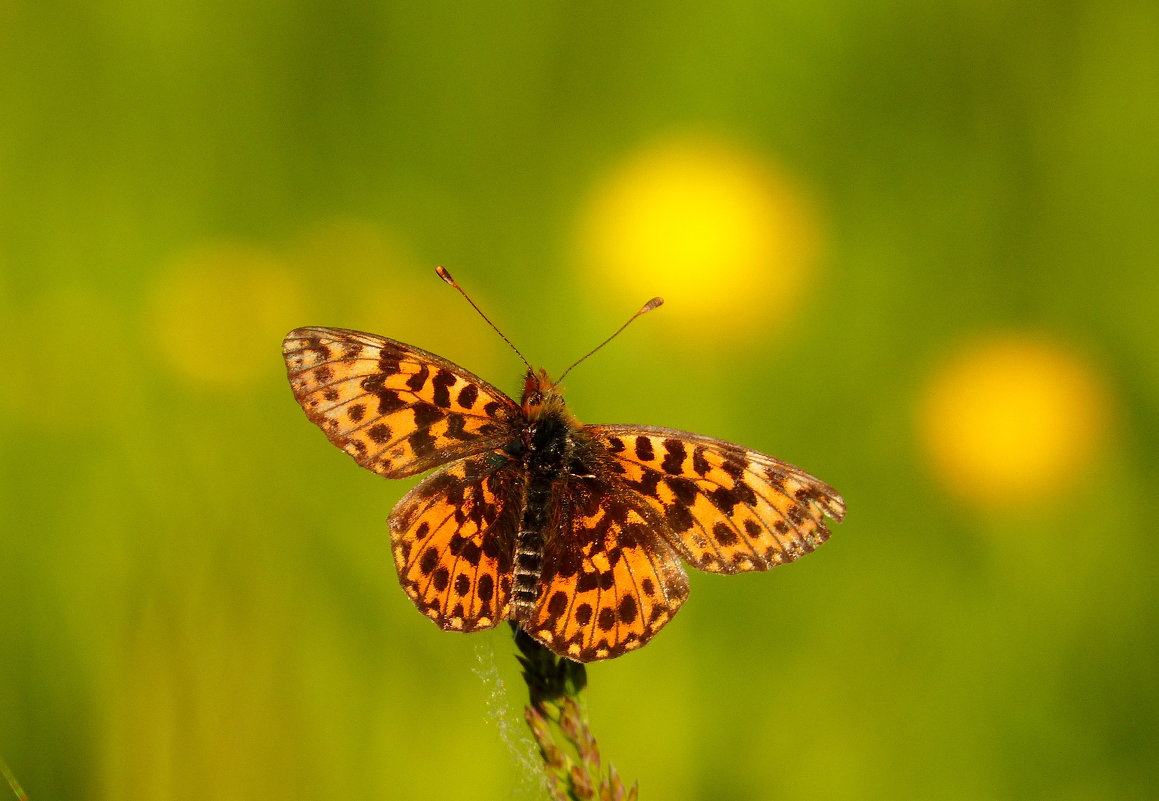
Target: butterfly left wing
[[727, 509], [453, 538], [396, 409], [610, 580]]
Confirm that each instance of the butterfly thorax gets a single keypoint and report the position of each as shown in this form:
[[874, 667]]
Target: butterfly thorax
[[547, 449]]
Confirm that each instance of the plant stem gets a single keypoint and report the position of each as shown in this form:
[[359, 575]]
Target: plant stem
[[558, 722]]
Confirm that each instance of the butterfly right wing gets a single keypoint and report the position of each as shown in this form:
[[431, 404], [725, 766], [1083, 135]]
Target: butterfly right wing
[[453, 539], [727, 509], [396, 409]]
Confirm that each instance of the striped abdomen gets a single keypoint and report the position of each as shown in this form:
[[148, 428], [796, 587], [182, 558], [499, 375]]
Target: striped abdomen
[[529, 546], [549, 448]]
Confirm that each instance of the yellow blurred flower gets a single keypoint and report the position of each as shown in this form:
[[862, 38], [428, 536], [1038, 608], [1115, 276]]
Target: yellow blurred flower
[[1013, 420], [722, 233], [218, 314]]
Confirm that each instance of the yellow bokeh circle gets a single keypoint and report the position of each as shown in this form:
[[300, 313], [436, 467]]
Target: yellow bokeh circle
[[721, 232], [218, 315], [1013, 420]]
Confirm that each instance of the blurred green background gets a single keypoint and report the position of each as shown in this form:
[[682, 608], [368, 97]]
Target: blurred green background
[[911, 247]]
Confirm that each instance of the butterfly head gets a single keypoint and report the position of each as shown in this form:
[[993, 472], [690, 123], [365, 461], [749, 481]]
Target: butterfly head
[[540, 394]]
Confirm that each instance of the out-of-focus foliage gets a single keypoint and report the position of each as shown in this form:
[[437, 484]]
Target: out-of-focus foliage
[[910, 247]]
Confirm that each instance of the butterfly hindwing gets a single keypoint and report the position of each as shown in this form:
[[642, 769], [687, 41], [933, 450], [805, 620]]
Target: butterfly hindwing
[[610, 580], [453, 537], [396, 409], [727, 509]]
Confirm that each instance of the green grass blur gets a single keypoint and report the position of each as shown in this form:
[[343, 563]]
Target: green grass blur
[[197, 598]]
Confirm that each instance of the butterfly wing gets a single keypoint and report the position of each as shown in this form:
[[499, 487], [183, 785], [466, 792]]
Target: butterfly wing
[[453, 541], [396, 409], [728, 509], [610, 580]]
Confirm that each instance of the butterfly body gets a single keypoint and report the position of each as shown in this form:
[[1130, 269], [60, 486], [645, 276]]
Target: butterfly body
[[574, 531], [545, 447]]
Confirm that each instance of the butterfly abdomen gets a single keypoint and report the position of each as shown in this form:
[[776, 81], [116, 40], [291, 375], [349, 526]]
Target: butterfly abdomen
[[546, 449]]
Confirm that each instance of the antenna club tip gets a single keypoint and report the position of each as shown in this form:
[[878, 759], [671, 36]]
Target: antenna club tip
[[654, 303], [441, 271]]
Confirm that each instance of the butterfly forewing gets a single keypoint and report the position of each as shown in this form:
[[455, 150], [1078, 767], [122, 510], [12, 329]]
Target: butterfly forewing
[[396, 409], [610, 581], [453, 540], [726, 509]]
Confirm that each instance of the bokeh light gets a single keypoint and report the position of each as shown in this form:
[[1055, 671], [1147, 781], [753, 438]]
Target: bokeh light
[[729, 236], [215, 311], [1013, 420]]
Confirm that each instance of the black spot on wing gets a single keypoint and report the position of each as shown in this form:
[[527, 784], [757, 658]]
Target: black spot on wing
[[442, 383], [467, 396], [644, 450], [419, 379], [486, 588], [674, 453], [699, 463], [426, 414]]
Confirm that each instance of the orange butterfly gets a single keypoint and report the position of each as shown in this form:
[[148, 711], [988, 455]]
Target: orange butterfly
[[575, 532]]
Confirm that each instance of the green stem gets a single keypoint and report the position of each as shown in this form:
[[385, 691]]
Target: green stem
[[558, 722]]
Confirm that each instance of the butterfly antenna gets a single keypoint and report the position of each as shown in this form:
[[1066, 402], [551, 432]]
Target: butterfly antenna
[[446, 276], [654, 303]]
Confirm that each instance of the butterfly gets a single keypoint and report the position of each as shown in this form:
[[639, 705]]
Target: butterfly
[[575, 532]]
